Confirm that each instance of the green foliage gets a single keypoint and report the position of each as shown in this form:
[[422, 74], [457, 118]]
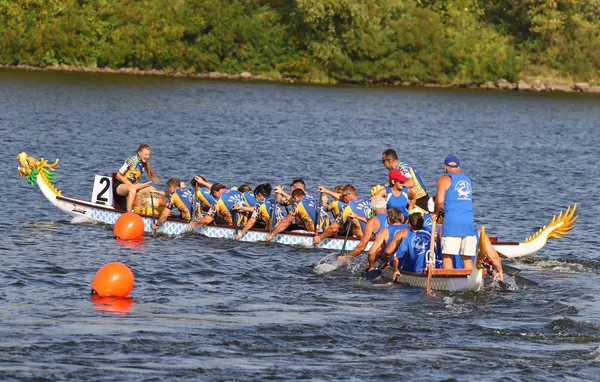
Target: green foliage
[[437, 41]]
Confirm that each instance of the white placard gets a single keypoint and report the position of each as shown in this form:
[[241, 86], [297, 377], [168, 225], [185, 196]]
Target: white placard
[[103, 193]]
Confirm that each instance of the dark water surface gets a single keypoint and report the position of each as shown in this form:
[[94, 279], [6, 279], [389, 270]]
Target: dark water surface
[[205, 309]]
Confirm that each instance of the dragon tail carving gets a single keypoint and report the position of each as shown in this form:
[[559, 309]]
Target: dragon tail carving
[[559, 226]]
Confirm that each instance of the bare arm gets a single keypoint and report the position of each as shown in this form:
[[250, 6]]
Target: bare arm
[[203, 182], [163, 217], [381, 238], [324, 190], [330, 231], [281, 227], [442, 184], [248, 225], [372, 226], [395, 242]]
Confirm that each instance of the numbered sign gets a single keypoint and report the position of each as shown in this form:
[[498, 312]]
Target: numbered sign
[[102, 193]]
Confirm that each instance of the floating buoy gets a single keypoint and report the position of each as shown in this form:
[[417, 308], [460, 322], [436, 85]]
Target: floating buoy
[[129, 226], [113, 280]]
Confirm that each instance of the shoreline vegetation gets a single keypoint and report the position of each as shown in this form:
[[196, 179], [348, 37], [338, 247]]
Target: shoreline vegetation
[[526, 45], [535, 85]]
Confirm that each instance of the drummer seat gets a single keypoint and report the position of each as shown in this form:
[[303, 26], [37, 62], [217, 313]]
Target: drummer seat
[[119, 201]]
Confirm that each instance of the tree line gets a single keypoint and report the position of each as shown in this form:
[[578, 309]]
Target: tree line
[[348, 41]]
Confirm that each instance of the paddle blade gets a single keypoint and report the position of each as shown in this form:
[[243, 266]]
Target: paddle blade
[[373, 274]]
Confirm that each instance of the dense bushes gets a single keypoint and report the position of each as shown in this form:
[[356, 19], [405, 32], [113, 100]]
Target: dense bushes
[[461, 41]]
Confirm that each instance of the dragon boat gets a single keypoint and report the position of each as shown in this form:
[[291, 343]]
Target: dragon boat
[[42, 173]]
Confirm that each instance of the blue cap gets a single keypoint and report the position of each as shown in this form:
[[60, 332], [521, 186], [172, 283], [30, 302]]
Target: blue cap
[[452, 161]]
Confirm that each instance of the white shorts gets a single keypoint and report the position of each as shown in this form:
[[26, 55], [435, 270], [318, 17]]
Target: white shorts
[[459, 245]]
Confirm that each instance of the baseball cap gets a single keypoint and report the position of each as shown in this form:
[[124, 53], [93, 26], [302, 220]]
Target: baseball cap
[[398, 175], [452, 161]]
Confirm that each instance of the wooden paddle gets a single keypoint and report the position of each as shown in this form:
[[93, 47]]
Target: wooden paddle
[[431, 257]]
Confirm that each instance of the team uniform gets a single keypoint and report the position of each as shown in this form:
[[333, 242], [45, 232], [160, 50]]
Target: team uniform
[[336, 207], [223, 207], [132, 170], [204, 200], [305, 211], [249, 198], [412, 253], [383, 223], [360, 207], [264, 211], [459, 235], [182, 199], [419, 188], [399, 201]]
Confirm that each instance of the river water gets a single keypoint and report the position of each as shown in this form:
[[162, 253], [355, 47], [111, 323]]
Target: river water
[[206, 309]]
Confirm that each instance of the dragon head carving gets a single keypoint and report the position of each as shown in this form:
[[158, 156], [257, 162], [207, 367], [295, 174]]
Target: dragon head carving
[[30, 168]]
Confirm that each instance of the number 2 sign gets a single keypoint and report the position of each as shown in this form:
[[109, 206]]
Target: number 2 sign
[[102, 193]]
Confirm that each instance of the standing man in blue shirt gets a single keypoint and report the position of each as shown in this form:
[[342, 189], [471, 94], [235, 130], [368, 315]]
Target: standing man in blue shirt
[[454, 195]]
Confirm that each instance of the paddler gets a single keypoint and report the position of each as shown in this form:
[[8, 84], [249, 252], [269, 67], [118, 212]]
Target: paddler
[[304, 211], [374, 225], [417, 191], [410, 255], [126, 181], [265, 214], [359, 207], [221, 210], [394, 233], [177, 197], [202, 194]]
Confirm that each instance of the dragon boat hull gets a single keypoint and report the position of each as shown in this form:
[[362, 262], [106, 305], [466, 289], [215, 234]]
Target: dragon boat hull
[[42, 173], [448, 280]]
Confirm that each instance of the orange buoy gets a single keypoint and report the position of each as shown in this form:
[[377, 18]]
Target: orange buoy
[[113, 280], [129, 226]]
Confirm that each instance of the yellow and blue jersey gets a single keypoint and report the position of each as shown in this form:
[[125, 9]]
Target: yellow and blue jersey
[[223, 207], [360, 207], [419, 187], [132, 169], [336, 207], [204, 198], [264, 210], [305, 211], [249, 198], [181, 199]]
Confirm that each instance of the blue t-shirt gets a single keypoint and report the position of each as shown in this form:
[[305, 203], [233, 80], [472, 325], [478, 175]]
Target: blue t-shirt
[[458, 208], [412, 253]]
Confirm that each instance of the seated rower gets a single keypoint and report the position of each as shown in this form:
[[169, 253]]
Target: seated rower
[[304, 210], [222, 209], [393, 234], [336, 206], [177, 197], [374, 225], [126, 181], [411, 255], [286, 199], [249, 197], [360, 207], [264, 213], [202, 194]]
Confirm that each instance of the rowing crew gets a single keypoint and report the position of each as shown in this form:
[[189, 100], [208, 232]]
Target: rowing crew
[[213, 202]]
